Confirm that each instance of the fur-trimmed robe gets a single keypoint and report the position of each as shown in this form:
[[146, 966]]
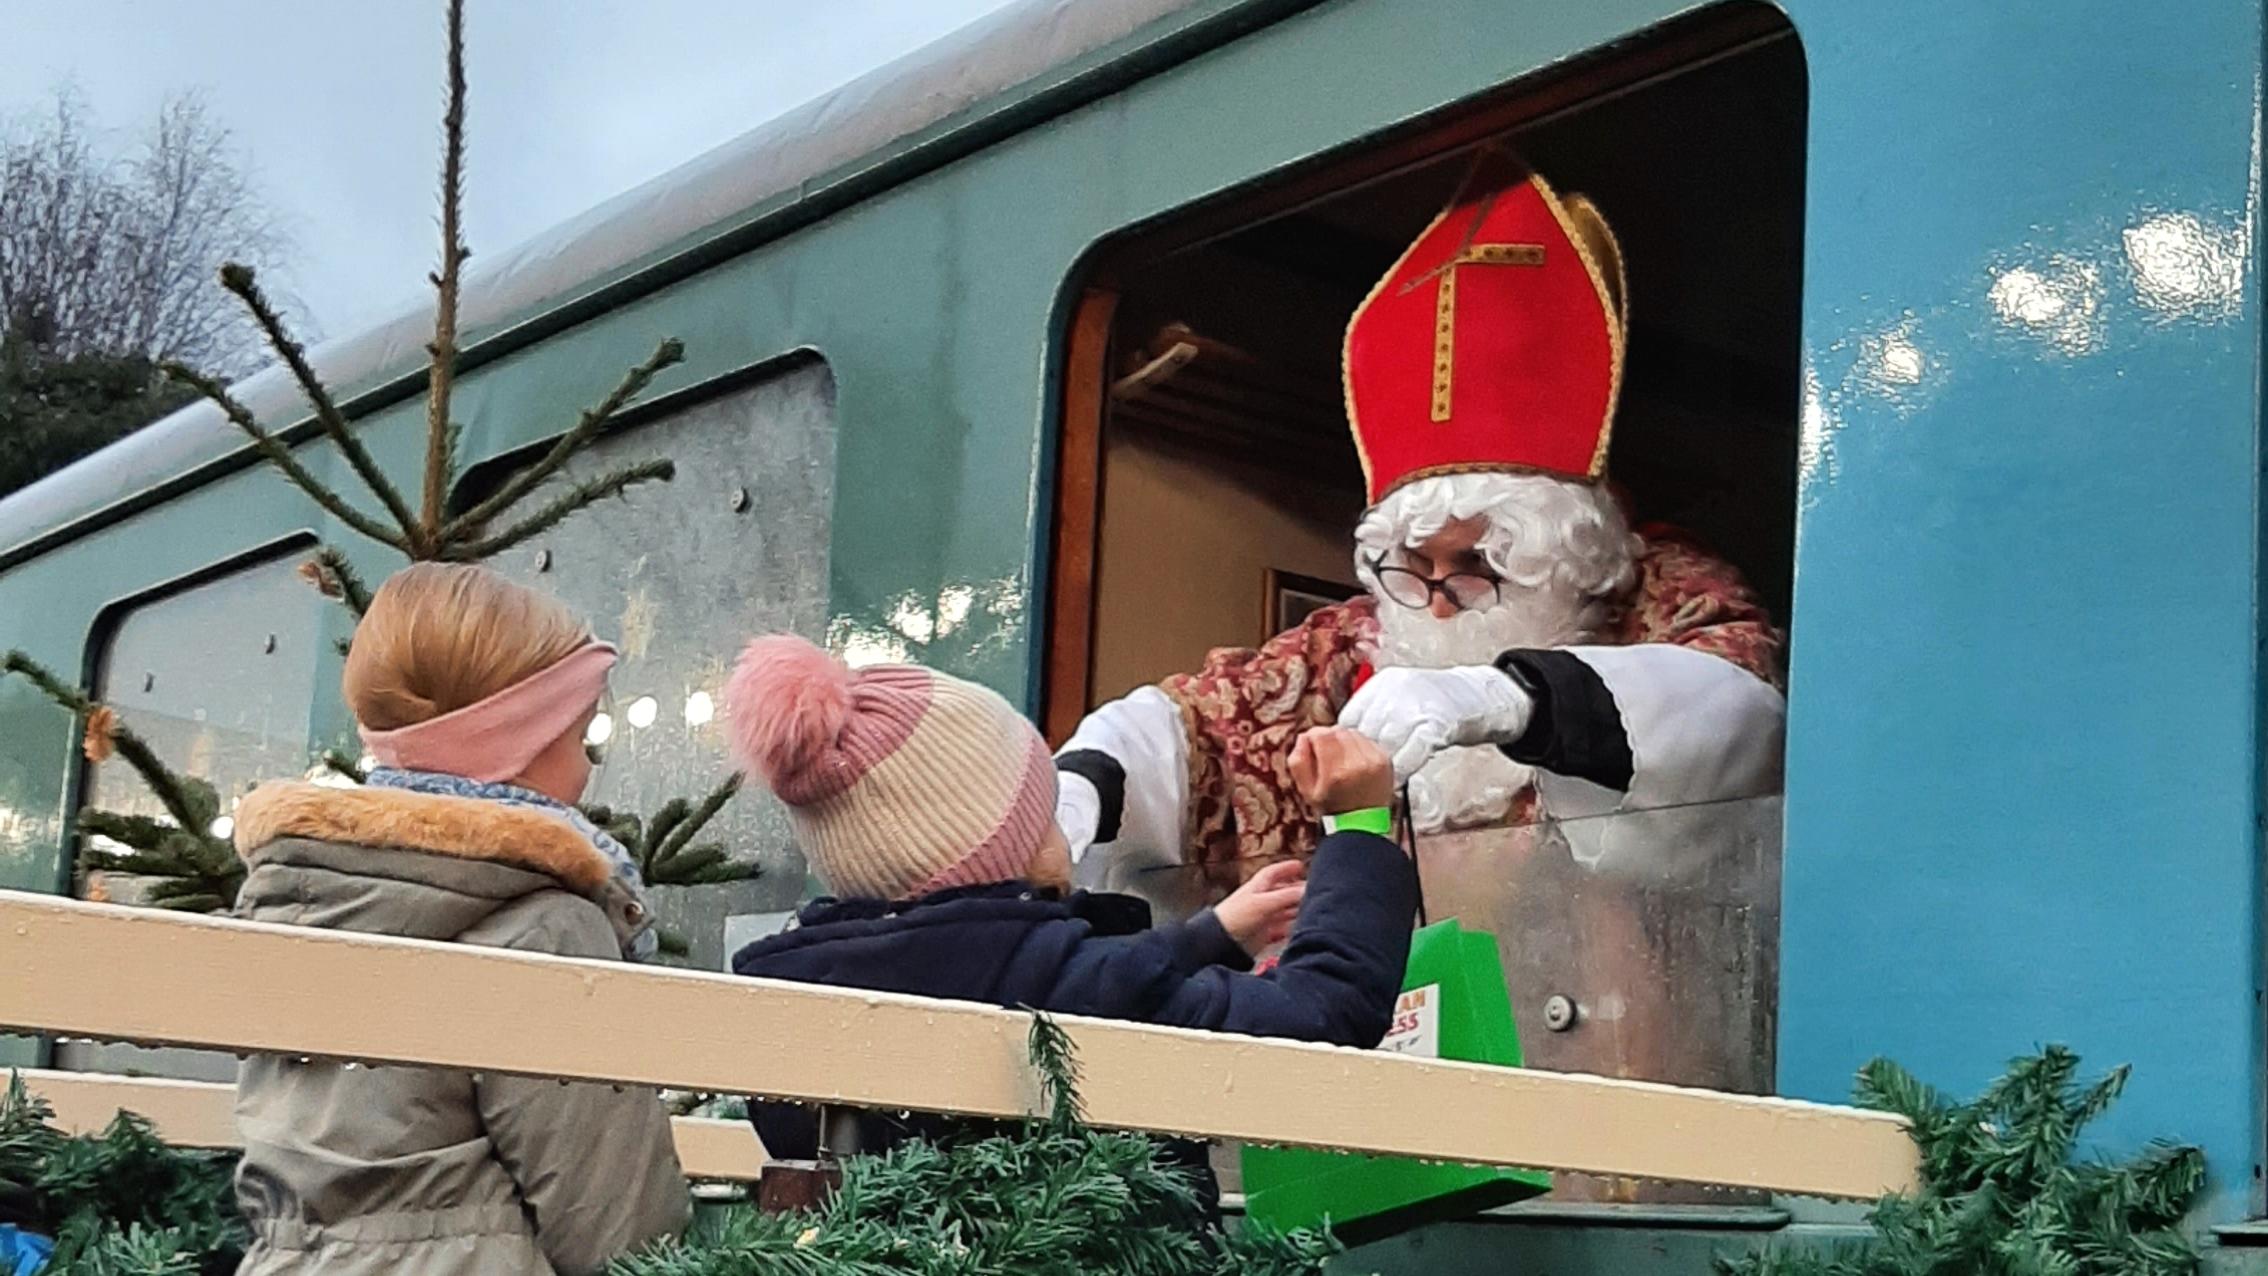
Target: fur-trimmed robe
[[1230, 723]]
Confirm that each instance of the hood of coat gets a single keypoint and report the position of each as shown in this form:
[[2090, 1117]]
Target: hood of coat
[[419, 865]]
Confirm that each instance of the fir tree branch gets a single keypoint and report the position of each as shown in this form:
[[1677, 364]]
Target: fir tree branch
[[581, 496], [171, 790], [687, 827], [519, 485], [1057, 1061], [2001, 1194], [339, 764], [188, 850], [440, 432], [687, 868], [281, 457], [139, 832], [335, 577], [671, 860], [658, 830], [708, 865], [242, 281], [40, 676]]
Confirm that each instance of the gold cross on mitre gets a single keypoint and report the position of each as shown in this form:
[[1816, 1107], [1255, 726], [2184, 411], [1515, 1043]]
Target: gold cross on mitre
[[1445, 298]]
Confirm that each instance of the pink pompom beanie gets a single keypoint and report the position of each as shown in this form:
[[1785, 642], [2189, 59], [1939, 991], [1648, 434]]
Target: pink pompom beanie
[[899, 780]]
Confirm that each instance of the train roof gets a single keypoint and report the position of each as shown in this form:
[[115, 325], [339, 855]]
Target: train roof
[[1022, 48]]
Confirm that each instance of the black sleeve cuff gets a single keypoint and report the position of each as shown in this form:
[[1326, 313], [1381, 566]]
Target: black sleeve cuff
[[1202, 941], [1109, 778], [1576, 729]]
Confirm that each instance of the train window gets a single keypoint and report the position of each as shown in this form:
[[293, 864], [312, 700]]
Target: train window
[[678, 576], [1207, 461], [219, 675]]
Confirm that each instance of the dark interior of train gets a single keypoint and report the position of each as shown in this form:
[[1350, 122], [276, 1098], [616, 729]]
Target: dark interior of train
[[1229, 482]]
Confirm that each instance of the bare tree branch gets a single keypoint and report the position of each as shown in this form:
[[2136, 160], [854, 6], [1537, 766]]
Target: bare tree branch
[[110, 254]]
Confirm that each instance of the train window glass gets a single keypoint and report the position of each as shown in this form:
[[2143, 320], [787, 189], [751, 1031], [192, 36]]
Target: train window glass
[[1208, 462], [678, 576], [219, 676]]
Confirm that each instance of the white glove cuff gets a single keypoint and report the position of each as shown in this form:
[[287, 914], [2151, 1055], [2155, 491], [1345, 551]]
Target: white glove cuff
[[1500, 707], [1078, 810]]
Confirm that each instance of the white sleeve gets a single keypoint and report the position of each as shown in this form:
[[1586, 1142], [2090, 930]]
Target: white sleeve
[[1701, 728], [1143, 733], [1705, 738]]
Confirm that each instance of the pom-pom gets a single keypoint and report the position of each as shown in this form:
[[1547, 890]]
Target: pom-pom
[[789, 702]]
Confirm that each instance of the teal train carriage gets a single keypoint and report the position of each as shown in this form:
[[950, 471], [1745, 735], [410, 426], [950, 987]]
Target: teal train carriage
[[1020, 357]]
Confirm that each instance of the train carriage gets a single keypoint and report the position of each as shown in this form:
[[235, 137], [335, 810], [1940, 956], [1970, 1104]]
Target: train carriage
[[1020, 357]]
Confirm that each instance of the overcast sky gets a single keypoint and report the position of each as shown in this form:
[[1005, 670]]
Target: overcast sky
[[337, 103]]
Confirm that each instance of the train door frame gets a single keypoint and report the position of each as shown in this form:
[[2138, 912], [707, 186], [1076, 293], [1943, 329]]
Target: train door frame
[[1092, 288]]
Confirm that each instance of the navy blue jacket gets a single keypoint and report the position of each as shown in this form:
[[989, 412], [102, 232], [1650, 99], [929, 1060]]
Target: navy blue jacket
[[1091, 954]]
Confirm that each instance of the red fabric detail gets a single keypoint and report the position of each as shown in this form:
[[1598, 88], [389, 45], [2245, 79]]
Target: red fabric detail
[[1533, 358], [1243, 707]]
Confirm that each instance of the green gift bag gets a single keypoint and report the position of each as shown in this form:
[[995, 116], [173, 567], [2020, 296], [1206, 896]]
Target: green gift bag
[[1453, 1006]]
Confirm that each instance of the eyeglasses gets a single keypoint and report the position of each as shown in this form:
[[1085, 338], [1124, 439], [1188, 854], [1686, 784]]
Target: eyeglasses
[[1464, 590]]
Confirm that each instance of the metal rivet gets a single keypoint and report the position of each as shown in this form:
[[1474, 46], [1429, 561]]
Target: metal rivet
[[149, 683], [1558, 1014], [543, 560], [270, 646], [739, 500]]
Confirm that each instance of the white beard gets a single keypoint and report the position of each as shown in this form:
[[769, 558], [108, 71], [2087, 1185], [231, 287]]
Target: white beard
[[1473, 786]]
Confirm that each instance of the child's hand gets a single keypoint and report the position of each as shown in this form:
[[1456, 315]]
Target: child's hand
[[1339, 770], [1258, 916]]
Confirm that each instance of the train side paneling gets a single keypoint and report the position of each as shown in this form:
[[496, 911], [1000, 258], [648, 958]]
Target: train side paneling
[[2023, 760]]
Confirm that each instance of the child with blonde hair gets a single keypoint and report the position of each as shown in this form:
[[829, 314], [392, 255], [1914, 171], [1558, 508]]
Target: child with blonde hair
[[927, 804], [473, 695]]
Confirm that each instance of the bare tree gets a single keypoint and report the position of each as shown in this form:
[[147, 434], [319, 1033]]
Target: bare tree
[[113, 252]]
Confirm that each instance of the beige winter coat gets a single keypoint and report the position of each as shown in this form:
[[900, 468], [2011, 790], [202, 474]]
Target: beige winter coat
[[424, 1172]]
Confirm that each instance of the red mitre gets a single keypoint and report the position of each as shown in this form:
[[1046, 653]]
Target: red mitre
[[1495, 343]]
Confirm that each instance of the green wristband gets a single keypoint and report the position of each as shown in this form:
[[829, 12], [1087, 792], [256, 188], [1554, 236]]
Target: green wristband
[[1376, 819]]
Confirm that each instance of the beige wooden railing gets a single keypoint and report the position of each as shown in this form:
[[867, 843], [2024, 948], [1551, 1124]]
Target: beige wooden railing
[[106, 972], [201, 1114]]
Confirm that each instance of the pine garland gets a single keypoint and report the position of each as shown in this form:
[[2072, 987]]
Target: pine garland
[[2001, 1194], [1059, 1197], [120, 1203]]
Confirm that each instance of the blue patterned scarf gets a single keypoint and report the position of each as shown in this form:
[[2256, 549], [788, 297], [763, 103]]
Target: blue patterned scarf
[[642, 945]]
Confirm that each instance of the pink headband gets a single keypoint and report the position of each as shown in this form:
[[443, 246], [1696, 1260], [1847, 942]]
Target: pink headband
[[496, 739]]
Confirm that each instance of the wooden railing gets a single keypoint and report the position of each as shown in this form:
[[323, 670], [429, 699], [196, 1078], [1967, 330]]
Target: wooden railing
[[202, 1114], [106, 972]]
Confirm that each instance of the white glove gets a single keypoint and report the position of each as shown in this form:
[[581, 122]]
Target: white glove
[[1078, 811], [1415, 713]]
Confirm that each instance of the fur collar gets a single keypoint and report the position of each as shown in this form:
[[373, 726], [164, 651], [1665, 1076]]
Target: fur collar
[[465, 828]]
